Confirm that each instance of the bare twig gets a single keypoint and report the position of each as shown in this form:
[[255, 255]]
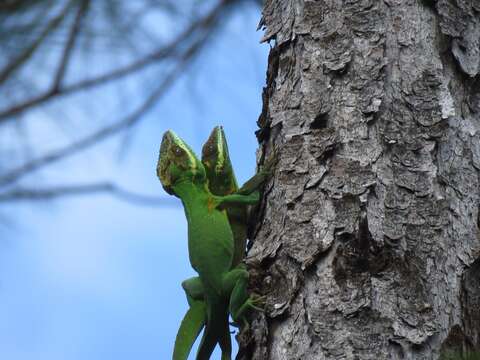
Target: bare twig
[[54, 192], [169, 51], [67, 51], [25, 29], [94, 138], [112, 129], [12, 66]]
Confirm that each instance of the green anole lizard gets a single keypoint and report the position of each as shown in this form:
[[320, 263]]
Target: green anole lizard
[[221, 182], [221, 286]]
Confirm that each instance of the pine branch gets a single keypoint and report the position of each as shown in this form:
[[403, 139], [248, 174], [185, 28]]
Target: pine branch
[[171, 50], [55, 192], [13, 65]]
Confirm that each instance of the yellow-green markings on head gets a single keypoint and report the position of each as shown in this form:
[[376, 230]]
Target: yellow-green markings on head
[[221, 148], [217, 164], [176, 159], [215, 150]]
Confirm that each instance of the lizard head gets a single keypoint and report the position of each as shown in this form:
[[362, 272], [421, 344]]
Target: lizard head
[[216, 159], [177, 162]]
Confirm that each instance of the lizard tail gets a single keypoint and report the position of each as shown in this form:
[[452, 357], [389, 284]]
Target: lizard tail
[[190, 328], [216, 331], [225, 341]]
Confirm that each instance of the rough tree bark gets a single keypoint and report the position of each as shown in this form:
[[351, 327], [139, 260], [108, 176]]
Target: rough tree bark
[[367, 244]]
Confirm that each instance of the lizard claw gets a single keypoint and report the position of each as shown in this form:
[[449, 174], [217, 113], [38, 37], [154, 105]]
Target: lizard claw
[[256, 302]]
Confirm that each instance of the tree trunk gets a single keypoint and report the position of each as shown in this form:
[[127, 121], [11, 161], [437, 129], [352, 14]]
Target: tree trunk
[[367, 243]]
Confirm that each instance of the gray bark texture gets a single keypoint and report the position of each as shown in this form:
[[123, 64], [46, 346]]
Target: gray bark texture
[[367, 242]]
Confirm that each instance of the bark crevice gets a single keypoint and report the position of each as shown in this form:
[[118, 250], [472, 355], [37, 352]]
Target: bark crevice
[[368, 238]]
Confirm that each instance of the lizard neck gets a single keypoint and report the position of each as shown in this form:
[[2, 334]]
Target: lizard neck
[[191, 194]]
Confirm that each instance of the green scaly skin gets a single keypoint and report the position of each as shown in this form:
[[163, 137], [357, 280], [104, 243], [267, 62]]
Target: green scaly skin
[[220, 288], [221, 182]]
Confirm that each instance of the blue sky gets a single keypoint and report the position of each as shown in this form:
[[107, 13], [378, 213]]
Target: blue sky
[[96, 278]]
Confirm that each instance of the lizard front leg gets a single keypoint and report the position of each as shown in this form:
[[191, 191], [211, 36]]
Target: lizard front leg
[[238, 199], [257, 180]]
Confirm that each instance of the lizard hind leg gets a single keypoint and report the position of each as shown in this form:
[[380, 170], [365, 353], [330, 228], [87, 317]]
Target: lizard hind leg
[[235, 283], [194, 289], [193, 321]]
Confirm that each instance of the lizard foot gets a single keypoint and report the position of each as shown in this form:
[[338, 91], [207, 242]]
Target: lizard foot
[[256, 302]]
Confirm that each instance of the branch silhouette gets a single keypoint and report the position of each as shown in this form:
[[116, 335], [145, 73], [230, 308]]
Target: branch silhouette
[[54, 192], [169, 51]]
